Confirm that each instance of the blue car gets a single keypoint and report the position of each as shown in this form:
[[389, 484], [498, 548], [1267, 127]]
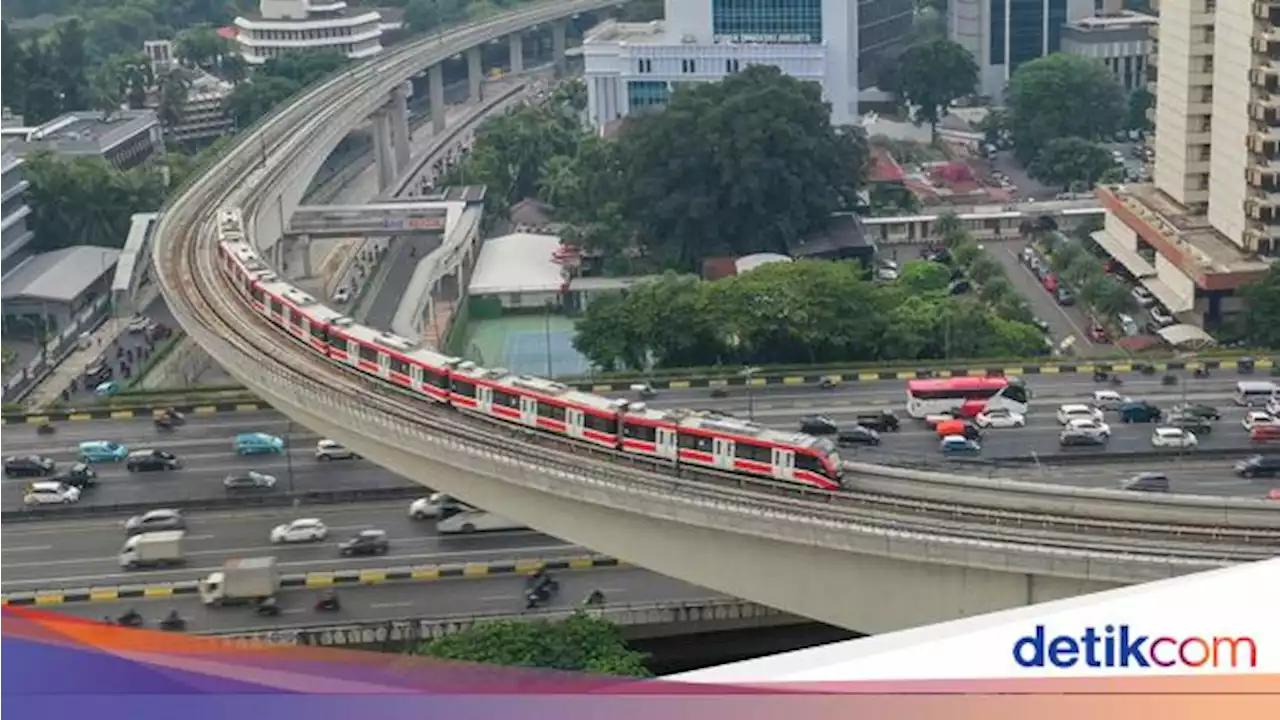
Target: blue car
[[258, 444], [959, 445], [102, 451]]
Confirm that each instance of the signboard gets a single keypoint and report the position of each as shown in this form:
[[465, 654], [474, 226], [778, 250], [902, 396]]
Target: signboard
[[766, 39], [426, 223]]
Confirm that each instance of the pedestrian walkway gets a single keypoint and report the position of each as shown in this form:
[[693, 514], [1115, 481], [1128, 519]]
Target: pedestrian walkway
[[51, 388]]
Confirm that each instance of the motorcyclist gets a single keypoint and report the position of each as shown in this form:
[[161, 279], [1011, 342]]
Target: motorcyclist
[[1099, 375], [1202, 372], [595, 598], [131, 618], [45, 427], [329, 601], [173, 621]]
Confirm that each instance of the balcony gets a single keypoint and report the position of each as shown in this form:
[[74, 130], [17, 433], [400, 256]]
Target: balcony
[[1267, 43], [1261, 134], [1265, 109], [1265, 10], [1265, 77]]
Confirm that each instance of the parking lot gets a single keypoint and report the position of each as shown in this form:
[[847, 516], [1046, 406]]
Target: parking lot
[[1028, 188]]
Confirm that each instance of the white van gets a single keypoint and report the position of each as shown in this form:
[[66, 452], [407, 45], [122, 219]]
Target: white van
[[1250, 393], [470, 521]]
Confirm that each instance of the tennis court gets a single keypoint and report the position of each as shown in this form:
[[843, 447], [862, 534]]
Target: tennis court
[[527, 345]]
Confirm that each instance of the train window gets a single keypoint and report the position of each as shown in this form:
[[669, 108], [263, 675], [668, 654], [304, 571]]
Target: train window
[[317, 331], [808, 462], [431, 377], [646, 433], [505, 399], [257, 293], [547, 410], [368, 354], [296, 318], [464, 388], [745, 451], [277, 307], [338, 343], [397, 365], [599, 424], [689, 441]]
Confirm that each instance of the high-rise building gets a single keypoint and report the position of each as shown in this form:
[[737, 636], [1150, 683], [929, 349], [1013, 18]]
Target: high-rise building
[[290, 26], [1004, 34], [1210, 220], [631, 66]]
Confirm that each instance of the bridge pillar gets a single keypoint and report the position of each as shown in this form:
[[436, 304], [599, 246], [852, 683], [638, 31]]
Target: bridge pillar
[[435, 84], [516, 42], [399, 118], [383, 152], [475, 73], [559, 46], [304, 241]]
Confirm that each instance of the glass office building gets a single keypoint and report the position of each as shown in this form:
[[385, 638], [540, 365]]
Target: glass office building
[[1003, 35], [767, 21]]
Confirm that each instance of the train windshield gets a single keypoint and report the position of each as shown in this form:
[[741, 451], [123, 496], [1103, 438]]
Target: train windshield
[[827, 449]]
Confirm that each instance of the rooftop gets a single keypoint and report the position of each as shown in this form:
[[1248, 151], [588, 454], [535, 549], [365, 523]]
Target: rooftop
[[517, 263], [59, 276], [612, 31], [1116, 21], [85, 132], [1206, 256], [884, 168]]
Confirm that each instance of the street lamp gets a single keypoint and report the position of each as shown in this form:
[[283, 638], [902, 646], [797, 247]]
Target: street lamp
[[749, 373]]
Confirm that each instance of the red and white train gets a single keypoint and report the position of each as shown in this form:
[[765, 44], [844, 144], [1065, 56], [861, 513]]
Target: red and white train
[[688, 437]]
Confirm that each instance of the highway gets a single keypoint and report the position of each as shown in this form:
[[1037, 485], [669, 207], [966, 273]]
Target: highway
[[407, 600], [78, 554]]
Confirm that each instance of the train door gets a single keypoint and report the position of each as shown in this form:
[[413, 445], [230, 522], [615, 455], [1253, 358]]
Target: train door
[[573, 422], [784, 464], [384, 365], [722, 451], [666, 443], [484, 397], [529, 411]]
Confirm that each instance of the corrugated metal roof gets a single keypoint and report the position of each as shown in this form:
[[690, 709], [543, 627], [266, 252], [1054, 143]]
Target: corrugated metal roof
[[61, 275]]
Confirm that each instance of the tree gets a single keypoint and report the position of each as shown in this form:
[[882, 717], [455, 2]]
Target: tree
[[303, 68], [1261, 316], [578, 643], [1060, 96], [426, 15], [924, 276], [1069, 162], [71, 64], [85, 200], [1140, 101], [201, 46], [107, 90], [233, 68], [251, 100], [175, 87], [933, 73], [136, 77]]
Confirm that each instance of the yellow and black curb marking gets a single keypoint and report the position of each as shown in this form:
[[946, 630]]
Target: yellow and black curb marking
[[132, 413], [366, 576], [1264, 364]]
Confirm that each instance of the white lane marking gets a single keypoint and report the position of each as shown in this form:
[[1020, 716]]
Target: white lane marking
[[392, 605], [27, 548], [199, 538], [293, 611], [498, 598]]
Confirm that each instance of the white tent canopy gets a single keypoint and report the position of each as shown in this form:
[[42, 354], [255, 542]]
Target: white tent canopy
[[1188, 337]]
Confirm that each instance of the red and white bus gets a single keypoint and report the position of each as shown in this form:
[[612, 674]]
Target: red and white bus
[[965, 396]]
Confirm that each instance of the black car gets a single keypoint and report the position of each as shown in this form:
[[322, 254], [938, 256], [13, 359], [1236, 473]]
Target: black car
[[152, 460], [1193, 423], [1077, 439], [818, 425], [1065, 297], [1259, 466], [883, 421], [1199, 411], [29, 466], [79, 475], [367, 542], [97, 373], [858, 436]]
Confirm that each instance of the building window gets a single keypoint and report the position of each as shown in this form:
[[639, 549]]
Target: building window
[[1026, 30], [644, 66], [731, 65], [997, 32], [767, 21], [688, 66], [647, 93]]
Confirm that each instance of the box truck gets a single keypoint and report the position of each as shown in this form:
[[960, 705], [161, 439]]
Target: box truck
[[241, 581], [153, 549]]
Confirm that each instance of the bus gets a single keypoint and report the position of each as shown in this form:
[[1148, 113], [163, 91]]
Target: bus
[[1256, 392], [965, 396]]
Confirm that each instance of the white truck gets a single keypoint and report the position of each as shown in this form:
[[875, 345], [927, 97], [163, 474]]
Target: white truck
[[153, 549], [469, 521], [241, 581]]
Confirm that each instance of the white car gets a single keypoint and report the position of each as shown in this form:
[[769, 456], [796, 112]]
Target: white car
[[1143, 296], [1000, 419], [1109, 399], [1169, 437], [1273, 407], [1160, 316], [300, 530], [342, 294], [1089, 427], [139, 324], [1254, 418], [434, 506], [330, 450], [1067, 413], [50, 493]]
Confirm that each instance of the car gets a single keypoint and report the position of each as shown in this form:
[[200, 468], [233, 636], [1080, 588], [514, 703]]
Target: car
[[1147, 482], [1070, 412], [29, 466], [1197, 425], [1042, 324], [300, 530], [1140, 412], [1173, 437], [139, 324], [1089, 427], [342, 294], [330, 450], [1198, 411], [366, 542], [155, 520], [957, 427], [999, 418], [49, 493], [97, 372], [882, 421], [257, 443], [937, 419], [79, 475], [1273, 407], [434, 506], [1072, 438], [251, 480], [818, 425], [858, 435], [1065, 297], [102, 451], [1254, 418], [1265, 433], [1259, 466], [1050, 282], [1160, 316], [955, 444], [1143, 296], [1109, 399], [1099, 334], [152, 461]]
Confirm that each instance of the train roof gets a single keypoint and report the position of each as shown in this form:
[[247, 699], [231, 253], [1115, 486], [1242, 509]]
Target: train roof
[[730, 425], [302, 300], [248, 257], [230, 224], [540, 386]]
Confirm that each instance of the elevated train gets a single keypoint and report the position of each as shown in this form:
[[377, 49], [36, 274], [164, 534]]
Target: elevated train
[[697, 438]]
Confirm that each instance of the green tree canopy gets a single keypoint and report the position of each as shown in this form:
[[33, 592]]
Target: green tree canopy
[[1261, 318], [86, 201], [1140, 101], [578, 643], [933, 73], [426, 15], [1069, 162], [1060, 96]]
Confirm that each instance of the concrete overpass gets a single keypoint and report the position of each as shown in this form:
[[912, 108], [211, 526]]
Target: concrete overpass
[[933, 548]]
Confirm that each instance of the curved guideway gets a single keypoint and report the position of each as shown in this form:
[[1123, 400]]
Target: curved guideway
[[487, 596], [50, 555]]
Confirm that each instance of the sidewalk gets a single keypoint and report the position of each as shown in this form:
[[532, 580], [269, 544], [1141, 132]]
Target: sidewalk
[[71, 369]]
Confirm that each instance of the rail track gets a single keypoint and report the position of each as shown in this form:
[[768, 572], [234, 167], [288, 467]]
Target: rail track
[[186, 257]]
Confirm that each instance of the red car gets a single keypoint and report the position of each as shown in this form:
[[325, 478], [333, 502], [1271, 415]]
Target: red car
[[1098, 334], [1051, 282]]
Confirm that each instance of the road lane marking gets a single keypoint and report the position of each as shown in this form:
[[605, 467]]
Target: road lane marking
[[392, 605], [499, 598], [27, 548]]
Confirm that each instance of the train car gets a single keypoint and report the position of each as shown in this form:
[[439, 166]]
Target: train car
[[297, 313], [230, 224], [244, 267], [652, 432], [728, 443], [537, 403], [431, 373], [392, 358]]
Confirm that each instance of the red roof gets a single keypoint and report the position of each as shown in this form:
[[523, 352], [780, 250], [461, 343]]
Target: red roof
[[228, 32], [884, 168]]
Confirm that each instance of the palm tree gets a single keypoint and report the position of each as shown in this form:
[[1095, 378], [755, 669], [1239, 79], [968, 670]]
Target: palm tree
[[947, 225], [137, 77], [174, 89], [108, 90], [232, 68], [558, 180]]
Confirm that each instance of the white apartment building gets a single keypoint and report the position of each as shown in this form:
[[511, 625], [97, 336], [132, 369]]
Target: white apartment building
[[633, 66], [1002, 35], [1210, 221], [284, 26]]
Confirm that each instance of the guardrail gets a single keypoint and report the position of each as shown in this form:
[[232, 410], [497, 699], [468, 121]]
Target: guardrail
[[318, 579], [132, 412]]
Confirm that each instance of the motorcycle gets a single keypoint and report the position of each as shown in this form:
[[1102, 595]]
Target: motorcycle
[[539, 590], [131, 619], [1117, 380], [46, 428], [163, 424], [595, 598], [174, 622], [267, 607], [827, 383], [719, 392], [328, 602], [1100, 376], [1202, 372]]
